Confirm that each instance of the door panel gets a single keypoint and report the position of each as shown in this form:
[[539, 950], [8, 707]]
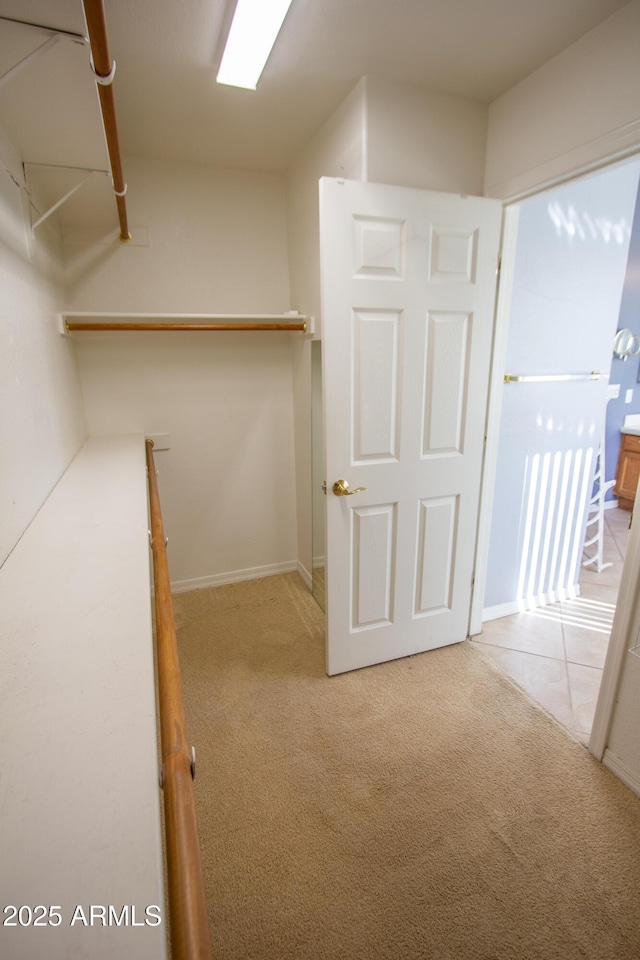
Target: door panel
[[436, 555], [373, 551], [376, 337], [445, 382], [408, 285]]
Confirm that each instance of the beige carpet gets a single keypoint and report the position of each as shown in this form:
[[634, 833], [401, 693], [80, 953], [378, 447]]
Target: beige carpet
[[424, 808]]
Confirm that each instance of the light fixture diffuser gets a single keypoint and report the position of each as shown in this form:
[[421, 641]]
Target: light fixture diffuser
[[255, 26]]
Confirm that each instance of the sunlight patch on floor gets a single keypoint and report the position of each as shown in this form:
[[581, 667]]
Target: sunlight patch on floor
[[591, 615]]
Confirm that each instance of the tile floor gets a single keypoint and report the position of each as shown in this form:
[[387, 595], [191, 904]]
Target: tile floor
[[557, 652]]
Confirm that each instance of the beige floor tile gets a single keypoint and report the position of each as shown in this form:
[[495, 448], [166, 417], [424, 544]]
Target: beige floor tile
[[607, 561], [585, 647], [582, 737], [617, 527], [543, 678], [611, 552], [589, 614], [531, 632], [611, 555], [617, 518], [584, 683], [556, 653], [610, 577], [618, 534], [621, 543], [593, 589]]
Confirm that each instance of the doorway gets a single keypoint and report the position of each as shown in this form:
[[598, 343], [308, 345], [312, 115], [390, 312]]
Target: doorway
[[547, 618]]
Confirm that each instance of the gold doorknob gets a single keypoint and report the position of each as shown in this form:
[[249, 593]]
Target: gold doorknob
[[341, 489]]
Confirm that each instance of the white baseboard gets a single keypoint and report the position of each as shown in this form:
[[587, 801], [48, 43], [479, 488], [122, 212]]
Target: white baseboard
[[306, 576], [529, 603], [234, 576], [629, 777], [500, 610], [611, 504]]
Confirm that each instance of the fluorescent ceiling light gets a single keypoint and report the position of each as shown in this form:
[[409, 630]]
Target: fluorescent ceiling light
[[255, 26]]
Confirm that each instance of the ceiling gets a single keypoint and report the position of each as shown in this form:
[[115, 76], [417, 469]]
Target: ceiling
[[167, 52]]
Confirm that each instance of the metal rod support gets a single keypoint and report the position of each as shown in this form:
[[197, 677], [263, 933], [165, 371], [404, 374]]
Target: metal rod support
[[69, 34], [59, 203], [11, 73], [64, 166]]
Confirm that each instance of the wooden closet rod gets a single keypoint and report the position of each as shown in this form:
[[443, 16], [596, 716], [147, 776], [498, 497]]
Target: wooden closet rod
[[189, 924], [104, 70], [187, 326]]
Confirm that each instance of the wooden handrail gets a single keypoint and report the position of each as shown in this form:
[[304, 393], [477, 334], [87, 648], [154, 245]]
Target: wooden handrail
[[187, 903], [71, 326], [103, 67]]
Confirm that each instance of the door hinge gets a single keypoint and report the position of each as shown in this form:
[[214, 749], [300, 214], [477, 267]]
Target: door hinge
[[499, 267]]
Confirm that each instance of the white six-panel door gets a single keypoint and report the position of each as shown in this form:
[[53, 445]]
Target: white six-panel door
[[408, 287]]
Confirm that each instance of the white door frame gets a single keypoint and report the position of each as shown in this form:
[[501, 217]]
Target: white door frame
[[622, 633], [623, 619], [510, 219]]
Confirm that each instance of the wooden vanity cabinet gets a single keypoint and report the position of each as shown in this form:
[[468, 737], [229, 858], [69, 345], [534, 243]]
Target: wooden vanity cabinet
[[628, 471]]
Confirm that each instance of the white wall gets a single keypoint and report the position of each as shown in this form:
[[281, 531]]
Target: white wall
[[41, 419], [337, 150], [569, 274], [577, 110], [420, 138], [217, 243]]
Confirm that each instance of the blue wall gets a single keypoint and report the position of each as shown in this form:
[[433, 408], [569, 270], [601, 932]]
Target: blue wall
[[625, 372], [569, 278]]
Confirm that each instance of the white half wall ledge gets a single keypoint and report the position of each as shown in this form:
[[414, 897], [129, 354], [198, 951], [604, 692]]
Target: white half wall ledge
[[236, 576], [81, 819]]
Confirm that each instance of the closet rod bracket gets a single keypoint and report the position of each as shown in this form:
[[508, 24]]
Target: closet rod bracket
[[58, 203], [54, 35]]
